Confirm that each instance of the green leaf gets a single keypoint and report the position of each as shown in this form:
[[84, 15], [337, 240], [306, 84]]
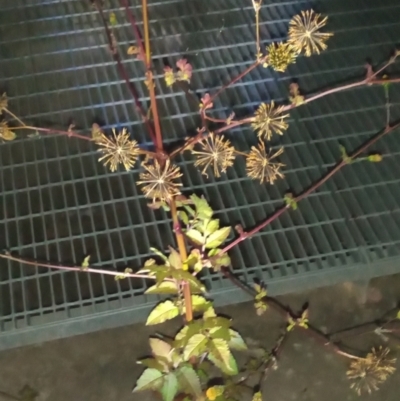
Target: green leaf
[[218, 237], [212, 226], [203, 209], [257, 396], [150, 379], [199, 303], [159, 253], [175, 259], [165, 287], [290, 202], [222, 357], [160, 348], [196, 345], [398, 315], [209, 313], [195, 236], [218, 261], [236, 341], [183, 336], [85, 263], [113, 19], [189, 381], [188, 277], [162, 312], [152, 363], [183, 217], [189, 210], [170, 387], [220, 332], [218, 321]]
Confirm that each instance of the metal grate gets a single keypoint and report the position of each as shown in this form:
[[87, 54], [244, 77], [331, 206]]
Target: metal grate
[[58, 203]]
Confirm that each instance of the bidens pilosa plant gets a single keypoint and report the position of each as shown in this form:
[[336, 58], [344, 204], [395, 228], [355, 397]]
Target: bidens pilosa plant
[[181, 367]]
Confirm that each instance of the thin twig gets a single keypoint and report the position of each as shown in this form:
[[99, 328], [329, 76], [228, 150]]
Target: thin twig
[[246, 234], [123, 72], [53, 131], [73, 268], [14, 116]]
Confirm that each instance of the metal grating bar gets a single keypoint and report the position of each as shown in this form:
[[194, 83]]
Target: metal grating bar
[[60, 204]]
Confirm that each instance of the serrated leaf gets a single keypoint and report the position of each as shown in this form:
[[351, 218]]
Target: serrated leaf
[[218, 261], [195, 236], [159, 253], [174, 259], [152, 363], [221, 357], [218, 237], [162, 312], [160, 348], [182, 337], [166, 287], [203, 209], [85, 263], [189, 380], [220, 332], [150, 379], [170, 387], [183, 217], [196, 345], [188, 277], [212, 226], [199, 303], [211, 322], [236, 341]]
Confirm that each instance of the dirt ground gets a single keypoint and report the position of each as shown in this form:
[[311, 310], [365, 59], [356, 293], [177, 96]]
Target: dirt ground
[[102, 366]]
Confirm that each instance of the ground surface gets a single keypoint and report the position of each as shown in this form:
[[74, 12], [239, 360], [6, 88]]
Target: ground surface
[[101, 366]]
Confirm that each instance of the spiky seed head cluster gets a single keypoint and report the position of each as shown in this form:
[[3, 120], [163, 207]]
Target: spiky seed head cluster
[[215, 151], [119, 149], [305, 35], [280, 56], [269, 119], [159, 181], [260, 164], [367, 374]]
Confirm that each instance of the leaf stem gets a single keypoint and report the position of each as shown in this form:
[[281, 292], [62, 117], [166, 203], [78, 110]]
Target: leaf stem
[[56, 131], [14, 116]]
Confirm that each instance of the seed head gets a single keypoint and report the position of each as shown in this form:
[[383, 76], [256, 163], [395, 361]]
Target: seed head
[[367, 374], [158, 182], [269, 119], [280, 55], [304, 34], [215, 151], [119, 149], [259, 164]]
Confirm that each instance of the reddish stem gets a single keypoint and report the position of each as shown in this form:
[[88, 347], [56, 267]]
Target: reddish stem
[[234, 80], [246, 234], [124, 73]]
